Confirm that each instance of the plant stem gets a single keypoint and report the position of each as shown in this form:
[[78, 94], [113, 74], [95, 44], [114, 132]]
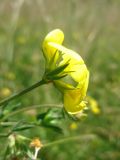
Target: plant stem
[[6, 124], [30, 108], [21, 93], [64, 140], [36, 153]]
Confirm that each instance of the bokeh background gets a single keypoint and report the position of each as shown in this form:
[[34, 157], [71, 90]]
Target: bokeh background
[[92, 28]]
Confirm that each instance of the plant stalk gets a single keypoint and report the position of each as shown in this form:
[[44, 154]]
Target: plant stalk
[[21, 93]]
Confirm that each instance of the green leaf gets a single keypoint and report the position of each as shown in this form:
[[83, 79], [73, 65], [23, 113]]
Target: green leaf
[[54, 128], [23, 127], [51, 119]]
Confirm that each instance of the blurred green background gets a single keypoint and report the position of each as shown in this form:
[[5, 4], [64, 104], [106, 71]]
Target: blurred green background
[[92, 28]]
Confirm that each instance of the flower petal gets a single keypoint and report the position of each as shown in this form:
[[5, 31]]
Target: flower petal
[[55, 36], [73, 101]]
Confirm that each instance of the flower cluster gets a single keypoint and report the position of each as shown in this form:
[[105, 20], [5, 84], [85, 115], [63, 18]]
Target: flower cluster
[[72, 80]]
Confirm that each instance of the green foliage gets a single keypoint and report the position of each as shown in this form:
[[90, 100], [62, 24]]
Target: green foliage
[[51, 119], [92, 28]]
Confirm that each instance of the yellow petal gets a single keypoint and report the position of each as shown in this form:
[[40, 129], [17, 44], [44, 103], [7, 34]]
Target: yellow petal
[[55, 36], [72, 101], [83, 85], [67, 53]]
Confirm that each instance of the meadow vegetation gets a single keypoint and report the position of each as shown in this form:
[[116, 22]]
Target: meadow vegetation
[[92, 28]]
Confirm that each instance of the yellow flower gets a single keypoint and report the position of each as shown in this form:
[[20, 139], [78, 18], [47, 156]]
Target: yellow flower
[[94, 106], [74, 85], [5, 92], [73, 126]]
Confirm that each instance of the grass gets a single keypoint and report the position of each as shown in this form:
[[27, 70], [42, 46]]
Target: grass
[[92, 29]]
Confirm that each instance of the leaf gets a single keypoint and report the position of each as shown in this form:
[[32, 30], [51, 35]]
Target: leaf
[[51, 119], [41, 116], [23, 127], [54, 128]]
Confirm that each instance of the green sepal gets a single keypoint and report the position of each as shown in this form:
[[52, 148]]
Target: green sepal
[[57, 77], [57, 71]]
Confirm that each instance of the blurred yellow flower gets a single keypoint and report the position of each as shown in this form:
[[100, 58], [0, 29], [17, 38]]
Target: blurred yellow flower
[[74, 85], [73, 126], [5, 92], [94, 106]]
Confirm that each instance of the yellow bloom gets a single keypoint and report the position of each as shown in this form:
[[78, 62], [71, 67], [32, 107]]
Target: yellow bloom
[[5, 92], [73, 126], [74, 85], [94, 106]]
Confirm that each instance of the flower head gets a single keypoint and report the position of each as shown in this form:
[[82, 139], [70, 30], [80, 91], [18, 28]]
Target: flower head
[[74, 79], [36, 143]]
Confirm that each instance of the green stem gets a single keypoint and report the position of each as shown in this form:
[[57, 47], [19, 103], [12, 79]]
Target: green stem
[[3, 135], [21, 93], [6, 124], [64, 140]]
